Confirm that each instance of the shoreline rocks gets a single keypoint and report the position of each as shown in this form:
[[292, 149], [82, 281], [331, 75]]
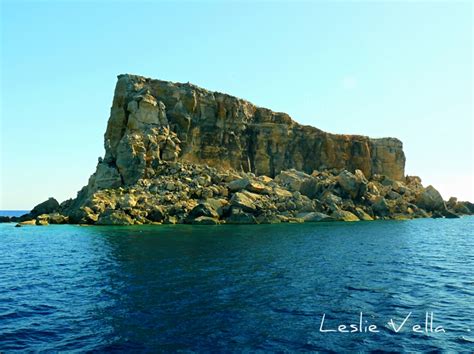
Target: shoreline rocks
[[185, 193]]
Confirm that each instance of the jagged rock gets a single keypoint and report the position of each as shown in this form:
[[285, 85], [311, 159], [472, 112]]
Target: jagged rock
[[362, 215], [156, 214], [461, 208], [238, 184], [217, 204], [468, 205], [238, 216], [399, 187], [355, 185], [291, 179], [392, 195], [452, 202], [244, 201], [127, 201], [282, 193], [202, 209], [224, 131], [332, 201], [49, 206], [114, 217], [381, 207], [265, 179], [311, 188], [170, 219], [268, 219], [42, 220], [431, 200], [343, 215], [258, 187], [54, 218], [449, 214]]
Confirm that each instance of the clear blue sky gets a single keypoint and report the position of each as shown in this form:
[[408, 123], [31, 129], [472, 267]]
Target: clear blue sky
[[398, 68]]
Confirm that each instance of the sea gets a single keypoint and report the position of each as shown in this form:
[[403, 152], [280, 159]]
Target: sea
[[11, 213], [343, 287]]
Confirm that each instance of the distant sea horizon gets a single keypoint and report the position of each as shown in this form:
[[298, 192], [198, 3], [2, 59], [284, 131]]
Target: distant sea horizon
[[13, 212]]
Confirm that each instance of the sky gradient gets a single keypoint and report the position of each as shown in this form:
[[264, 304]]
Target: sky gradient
[[401, 69]]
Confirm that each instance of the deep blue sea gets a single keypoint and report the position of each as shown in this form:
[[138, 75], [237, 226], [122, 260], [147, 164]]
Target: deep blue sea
[[13, 212], [238, 288]]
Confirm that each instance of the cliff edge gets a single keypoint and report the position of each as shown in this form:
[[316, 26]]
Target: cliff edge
[[153, 120]]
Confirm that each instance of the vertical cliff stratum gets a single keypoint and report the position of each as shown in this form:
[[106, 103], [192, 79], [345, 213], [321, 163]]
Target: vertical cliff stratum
[[153, 120]]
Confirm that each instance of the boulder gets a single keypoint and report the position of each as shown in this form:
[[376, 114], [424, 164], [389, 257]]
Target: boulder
[[268, 218], [362, 215], [311, 188], [449, 214], [114, 217], [451, 203], [461, 208], [42, 220], [202, 209], [343, 215], [156, 214], [84, 215], [243, 201], [354, 185], [430, 200], [238, 216], [291, 179], [257, 187], [333, 202], [54, 218], [217, 204], [281, 193], [468, 205], [380, 207], [49, 206], [238, 184]]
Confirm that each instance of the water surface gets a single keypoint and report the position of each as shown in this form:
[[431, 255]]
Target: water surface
[[236, 288], [11, 213]]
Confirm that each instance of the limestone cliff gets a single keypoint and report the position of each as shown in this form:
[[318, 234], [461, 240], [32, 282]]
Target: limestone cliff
[[153, 121], [176, 153]]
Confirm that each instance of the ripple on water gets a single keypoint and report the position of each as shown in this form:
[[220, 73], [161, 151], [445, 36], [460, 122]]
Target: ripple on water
[[240, 288]]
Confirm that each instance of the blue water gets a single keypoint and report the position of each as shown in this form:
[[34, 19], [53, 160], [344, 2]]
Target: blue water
[[236, 288], [13, 212]]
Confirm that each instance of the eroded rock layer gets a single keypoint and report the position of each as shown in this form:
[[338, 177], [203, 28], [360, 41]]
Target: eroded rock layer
[[153, 120]]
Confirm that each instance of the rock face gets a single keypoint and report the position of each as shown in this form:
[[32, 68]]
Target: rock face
[[176, 153], [153, 121]]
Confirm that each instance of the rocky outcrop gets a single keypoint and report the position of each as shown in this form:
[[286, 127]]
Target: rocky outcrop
[[176, 153], [153, 121], [186, 193]]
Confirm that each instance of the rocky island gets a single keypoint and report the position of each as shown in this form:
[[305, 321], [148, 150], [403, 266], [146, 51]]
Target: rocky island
[[177, 153]]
